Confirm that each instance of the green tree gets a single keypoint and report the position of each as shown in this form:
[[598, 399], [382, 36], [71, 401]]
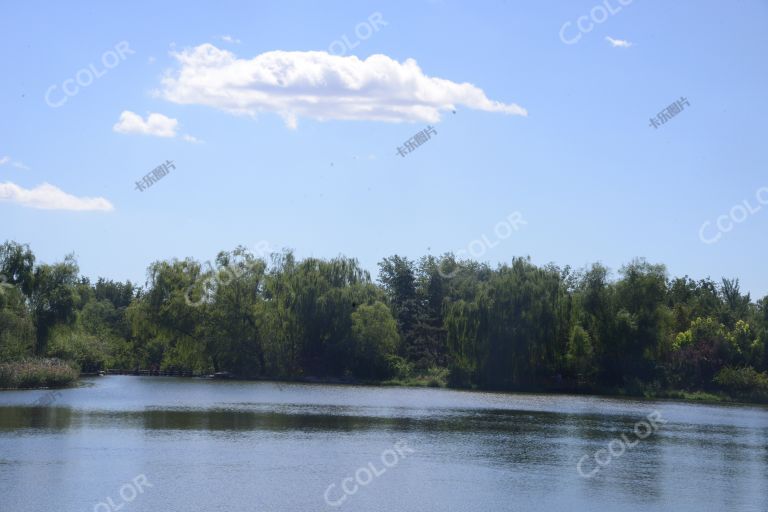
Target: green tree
[[17, 331], [53, 297], [580, 355], [375, 340]]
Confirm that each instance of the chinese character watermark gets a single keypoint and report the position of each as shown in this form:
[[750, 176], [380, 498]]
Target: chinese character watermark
[[669, 112], [156, 175], [416, 141]]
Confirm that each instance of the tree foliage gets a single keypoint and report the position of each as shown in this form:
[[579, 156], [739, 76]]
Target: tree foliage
[[518, 326]]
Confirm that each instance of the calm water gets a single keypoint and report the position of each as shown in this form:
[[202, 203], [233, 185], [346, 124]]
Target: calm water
[[230, 446]]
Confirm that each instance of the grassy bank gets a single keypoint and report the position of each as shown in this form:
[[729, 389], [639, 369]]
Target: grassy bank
[[745, 386], [36, 373], [745, 390], [432, 378]]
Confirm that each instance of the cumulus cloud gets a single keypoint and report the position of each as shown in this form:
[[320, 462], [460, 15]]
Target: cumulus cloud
[[319, 86], [618, 43], [156, 124], [49, 197], [229, 39]]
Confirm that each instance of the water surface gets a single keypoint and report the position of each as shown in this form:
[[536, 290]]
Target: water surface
[[231, 446]]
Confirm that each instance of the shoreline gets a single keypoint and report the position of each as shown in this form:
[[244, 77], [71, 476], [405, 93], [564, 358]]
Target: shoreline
[[695, 397]]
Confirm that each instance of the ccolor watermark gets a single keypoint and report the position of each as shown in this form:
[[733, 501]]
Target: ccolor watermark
[[231, 272], [86, 76], [47, 399], [365, 474], [363, 31], [738, 214], [128, 492], [642, 430], [478, 247], [585, 24]]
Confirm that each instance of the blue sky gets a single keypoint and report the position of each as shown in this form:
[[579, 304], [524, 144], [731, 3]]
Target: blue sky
[[288, 165]]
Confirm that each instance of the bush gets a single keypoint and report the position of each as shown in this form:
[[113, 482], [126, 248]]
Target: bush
[[401, 368], [700, 352], [460, 373], [741, 379], [744, 382], [88, 351], [437, 377], [36, 373]]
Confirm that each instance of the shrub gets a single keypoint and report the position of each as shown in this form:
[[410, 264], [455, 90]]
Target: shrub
[[437, 377], [461, 373], [741, 379], [36, 373], [401, 368], [700, 352], [744, 382], [88, 351]]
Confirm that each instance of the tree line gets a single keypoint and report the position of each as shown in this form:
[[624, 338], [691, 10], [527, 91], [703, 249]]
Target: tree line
[[518, 326]]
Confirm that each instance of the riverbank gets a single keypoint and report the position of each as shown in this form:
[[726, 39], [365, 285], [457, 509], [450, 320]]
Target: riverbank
[[37, 373]]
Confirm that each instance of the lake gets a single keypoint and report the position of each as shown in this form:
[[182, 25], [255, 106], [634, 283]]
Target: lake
[[139, 444]]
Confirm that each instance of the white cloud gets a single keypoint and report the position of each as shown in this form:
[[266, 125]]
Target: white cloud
[[49, 197], [156, 124], [618, 43], [320, 86], [4, 160], [229, 39]]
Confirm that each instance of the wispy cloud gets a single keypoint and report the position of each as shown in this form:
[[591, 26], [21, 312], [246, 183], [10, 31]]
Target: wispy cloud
[[229, 39], [192, 139], [319, 86], [156, 124], [618, 43], [15, 163], [49, 197]]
